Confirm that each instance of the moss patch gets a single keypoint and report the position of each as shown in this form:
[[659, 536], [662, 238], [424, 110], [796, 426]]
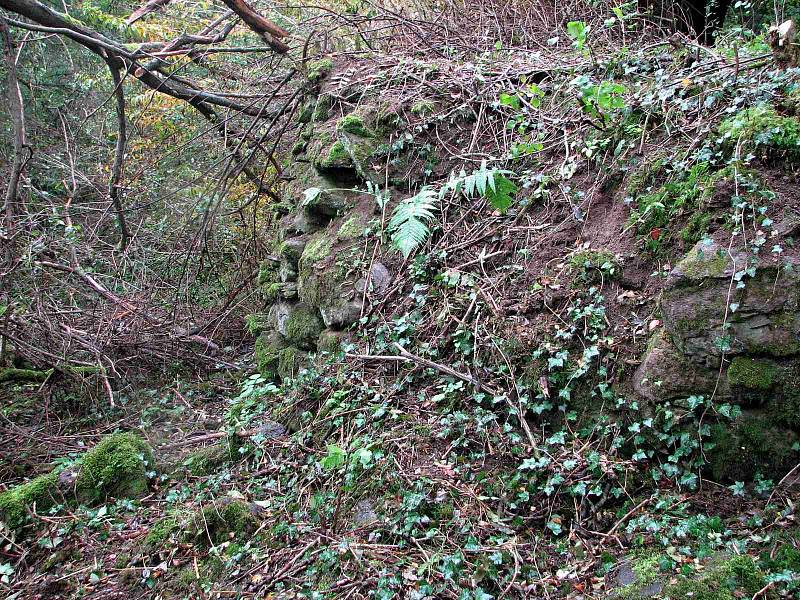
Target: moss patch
[[303, 327], [209, 460], [317, 70], [702, 262], [41, 493], [290, 360], [267, 352], [117, 467], [222, 520], [354, 123], [734, 578], [751, 373], [751, 445]]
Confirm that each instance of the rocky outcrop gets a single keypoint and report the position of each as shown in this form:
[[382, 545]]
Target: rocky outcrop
[[732, 330]]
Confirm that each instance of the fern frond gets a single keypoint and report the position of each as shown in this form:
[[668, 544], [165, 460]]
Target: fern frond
[[410, 220]]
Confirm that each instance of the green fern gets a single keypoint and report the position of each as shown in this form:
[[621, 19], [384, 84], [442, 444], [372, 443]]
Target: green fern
[[410, 220]]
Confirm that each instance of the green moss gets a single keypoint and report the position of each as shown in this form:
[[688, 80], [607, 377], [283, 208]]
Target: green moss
[[272, 292], [256, 323], [696, 228], [701, 263], [751, 373], [645, 570], [761, 126], [422, 108], [41, 493], [751, 445], [360, 150], [11, 374], [317, 70], [728, 580], [161, 531], [267, 272], [117, 467], [336, 157], [656, 207], [354, 123], [303, 327], [220, 521], [290, 360], [322, 108], [330, 341], [209, 460], [594, 265], [267, 352], [351, 229]]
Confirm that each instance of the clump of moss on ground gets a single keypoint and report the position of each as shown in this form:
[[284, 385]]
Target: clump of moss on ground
[[208, 460], [728, 580], [41, 493], [117, 467], [220, 521]]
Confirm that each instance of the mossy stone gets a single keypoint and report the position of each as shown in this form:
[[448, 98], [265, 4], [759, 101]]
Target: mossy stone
[[703, 262], [354, 123], [290, 361], [335, 158], [41, 493], [317, 70], [221, 520], [209, 460], [117, 467], [752, 374], [751, 445], [267, 352], [303, 327]]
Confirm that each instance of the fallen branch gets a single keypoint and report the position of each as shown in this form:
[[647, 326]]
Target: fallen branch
[[406, 356]]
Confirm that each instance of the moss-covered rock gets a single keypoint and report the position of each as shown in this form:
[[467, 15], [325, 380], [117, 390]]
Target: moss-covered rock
[[706, 316], [354, 124], [39, 494], [317, 70], [208, 460], [703, 261], [751, 445], [118, 466], [303, 327], [666, 374], [752, 374], [223, 520], [290, 361], [334, 158], [267, 352], [330, 341]]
